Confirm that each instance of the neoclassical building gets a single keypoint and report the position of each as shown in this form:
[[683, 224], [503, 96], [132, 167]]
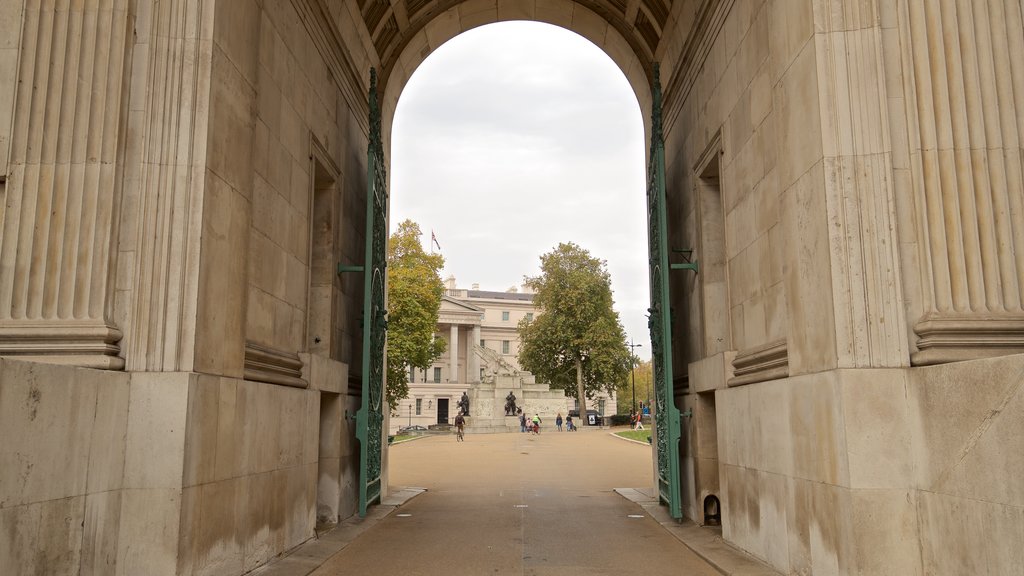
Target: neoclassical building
[[480, 328], [193, 217]]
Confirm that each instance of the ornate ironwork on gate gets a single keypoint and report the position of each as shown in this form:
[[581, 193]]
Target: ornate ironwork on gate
[[370, 417], [666, 421]]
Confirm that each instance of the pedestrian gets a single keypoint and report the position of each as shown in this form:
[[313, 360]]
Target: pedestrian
[[639, 421], [522, 422], [569, 426], [536, 423], [558, 421], [460, 425]]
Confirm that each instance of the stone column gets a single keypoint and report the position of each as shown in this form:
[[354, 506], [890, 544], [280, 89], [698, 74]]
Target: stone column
[[453, 354], [472, 360], [961, 124], [63, 194]]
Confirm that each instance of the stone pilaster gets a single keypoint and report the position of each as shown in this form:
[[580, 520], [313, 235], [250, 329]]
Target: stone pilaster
[[859, 193], [63, 193], [962, 72], [170, 186]]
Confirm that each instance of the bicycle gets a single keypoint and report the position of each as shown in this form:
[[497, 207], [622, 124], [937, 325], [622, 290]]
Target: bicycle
[[459, 436]]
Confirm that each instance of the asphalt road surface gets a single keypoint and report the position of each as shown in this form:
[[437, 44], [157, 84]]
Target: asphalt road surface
[[524, 504]]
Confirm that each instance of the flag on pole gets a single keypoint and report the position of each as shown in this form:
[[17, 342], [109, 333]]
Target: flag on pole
[[433, 239]]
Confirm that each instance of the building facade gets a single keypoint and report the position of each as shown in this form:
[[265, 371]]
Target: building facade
[[471, 321], [185, 190]]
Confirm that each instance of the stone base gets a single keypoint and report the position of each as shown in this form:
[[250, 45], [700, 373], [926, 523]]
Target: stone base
[[877, 471], [165, 473], [487, 402]]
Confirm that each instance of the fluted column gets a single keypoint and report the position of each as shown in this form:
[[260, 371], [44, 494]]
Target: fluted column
[[472, 359], [453, 354], [963, 78], [63, 193]]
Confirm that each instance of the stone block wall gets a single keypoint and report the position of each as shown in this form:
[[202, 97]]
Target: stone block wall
[[846, 156], [966, 432], [61, 468], [817, 470]]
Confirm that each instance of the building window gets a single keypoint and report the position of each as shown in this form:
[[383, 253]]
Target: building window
[[481, 374], [504, 346], [419, 406], [483, 343], [529, 316], [504, 316], [412, 374], [437, 375]]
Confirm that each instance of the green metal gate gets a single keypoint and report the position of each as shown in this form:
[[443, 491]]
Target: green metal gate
[[370, 417], [666, 415]]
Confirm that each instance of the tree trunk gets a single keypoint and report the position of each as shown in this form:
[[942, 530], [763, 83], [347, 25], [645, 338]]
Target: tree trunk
[[580, 393]]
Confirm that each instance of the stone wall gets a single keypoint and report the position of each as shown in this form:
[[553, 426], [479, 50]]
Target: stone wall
[[816, 472], [845, 172], [62, 461], [168, 231], [966, 421]]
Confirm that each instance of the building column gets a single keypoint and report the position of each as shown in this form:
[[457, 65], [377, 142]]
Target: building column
[[453, 354], [63, 193], [472, 360], [960, 173]]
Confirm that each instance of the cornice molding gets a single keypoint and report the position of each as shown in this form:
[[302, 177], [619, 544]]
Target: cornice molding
[[710, 19], [768, 362], [327, 39]]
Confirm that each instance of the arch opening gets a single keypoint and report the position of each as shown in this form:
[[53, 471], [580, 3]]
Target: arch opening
[[513, 181]]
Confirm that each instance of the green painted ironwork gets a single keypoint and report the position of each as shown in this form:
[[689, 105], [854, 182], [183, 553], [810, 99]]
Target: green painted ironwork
[[666, 421], [689, 264], [370, 417]]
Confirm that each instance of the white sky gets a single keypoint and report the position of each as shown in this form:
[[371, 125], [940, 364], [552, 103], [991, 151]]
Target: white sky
[[513, 137]]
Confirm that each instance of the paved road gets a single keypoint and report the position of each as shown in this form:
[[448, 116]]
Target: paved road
[[503, 504]]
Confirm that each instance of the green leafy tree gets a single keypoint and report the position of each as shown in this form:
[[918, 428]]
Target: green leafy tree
[[577, 343], [643, 373], [414, 302]]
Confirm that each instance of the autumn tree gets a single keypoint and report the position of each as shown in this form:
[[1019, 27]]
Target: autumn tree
[[643, 372], [414, 302], [577, 342]]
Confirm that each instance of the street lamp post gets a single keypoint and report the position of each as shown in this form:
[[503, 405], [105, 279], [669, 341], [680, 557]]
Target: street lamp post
[[632, 369]]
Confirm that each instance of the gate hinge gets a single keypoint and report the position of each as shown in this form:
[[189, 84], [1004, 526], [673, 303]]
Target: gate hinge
[[349, 268]]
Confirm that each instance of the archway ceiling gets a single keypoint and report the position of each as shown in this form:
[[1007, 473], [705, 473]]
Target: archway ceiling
[[393, 23]]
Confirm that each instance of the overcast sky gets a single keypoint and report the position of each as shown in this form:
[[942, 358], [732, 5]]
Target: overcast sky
[[514, 137]]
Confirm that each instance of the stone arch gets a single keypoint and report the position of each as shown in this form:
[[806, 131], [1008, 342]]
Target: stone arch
[[400, 61]]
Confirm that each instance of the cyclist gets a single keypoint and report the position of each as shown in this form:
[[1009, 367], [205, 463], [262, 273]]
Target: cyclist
[[460, 424]]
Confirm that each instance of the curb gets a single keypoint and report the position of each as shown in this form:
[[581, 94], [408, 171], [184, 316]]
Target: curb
[[710, 547]]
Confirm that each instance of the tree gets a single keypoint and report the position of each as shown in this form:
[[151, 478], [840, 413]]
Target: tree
[[577, 343], [644, 373], [414, 302]]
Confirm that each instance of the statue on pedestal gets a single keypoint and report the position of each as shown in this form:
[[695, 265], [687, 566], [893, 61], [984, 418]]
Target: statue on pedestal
[[510, 404], [464, 404]]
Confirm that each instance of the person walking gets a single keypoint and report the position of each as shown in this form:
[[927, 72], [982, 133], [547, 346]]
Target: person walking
[[460, 425], [522, 422], [536, 423], [569, 426], [558, 421]]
